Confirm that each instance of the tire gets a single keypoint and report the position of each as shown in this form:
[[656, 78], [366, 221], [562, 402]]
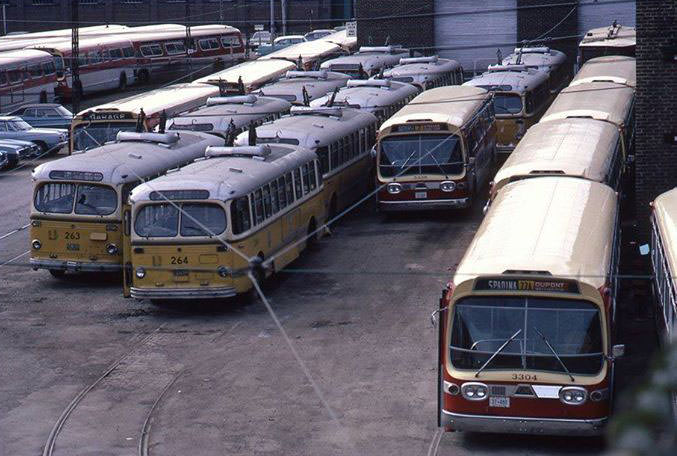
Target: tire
[[311, 241], [122, 85], [332, 209], [57, 273], [43, 148], [144, 76]]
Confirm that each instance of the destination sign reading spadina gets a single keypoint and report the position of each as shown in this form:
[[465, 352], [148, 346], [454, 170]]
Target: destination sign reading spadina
[[536, 285]]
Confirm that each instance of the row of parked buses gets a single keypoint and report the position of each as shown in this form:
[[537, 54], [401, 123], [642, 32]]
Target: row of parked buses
[[527, 333], [39, 69]]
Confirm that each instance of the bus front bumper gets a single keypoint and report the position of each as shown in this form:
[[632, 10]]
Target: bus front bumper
[[423, 205], [182, 293], [74, 266], [523, 425]]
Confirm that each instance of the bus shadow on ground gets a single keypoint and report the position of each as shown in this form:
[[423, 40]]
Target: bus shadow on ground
[[516, 444]]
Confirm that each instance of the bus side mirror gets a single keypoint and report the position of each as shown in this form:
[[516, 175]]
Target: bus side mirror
[[373, 151], [618, 351]]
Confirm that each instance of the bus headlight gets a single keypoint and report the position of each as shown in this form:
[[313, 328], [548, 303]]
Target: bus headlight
[[573, 395], [140, 272], [112, 249], [223, 271], [36, 244], [394, 188], [448, 186], [474, 391]]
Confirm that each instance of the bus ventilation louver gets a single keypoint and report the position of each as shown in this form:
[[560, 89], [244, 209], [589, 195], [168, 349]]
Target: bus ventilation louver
[[315, 111], [162, 138], [321, 74], [410, 60], [382, 49], [369, 83], [238, 99], [504, 68], [238, 151]]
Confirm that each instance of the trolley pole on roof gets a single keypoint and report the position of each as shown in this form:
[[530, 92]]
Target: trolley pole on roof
[[75, 53]]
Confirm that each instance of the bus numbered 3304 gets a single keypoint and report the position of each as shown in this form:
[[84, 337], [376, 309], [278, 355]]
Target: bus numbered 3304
[[527, 325], [78, 200], [438, 151]]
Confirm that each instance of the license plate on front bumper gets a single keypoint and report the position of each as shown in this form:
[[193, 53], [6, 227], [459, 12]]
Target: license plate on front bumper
[[503, 402], [420, 195]]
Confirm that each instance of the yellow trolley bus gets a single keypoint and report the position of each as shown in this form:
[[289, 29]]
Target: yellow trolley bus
[[189, 229], [78, 201], [614, 40], [664, 259], [342, 139], [526, 341], [614, 68]]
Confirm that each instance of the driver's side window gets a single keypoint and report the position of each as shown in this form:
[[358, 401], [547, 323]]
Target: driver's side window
[[3, 126]]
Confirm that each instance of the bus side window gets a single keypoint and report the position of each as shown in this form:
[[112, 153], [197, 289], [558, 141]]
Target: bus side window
[[363, 141], [334, 154], [323, 154], [239, 213], [297, 184], [318, 172], [289, 188], [306, 178], [281, 193], [275, 204], [312, 177], [258, 207]]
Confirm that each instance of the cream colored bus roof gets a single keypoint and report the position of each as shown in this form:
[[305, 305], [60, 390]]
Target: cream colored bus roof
[[253, 73], [573, 147], [665, 213], [561, 225], [307, 50], [453, 105], [621, 36], [598, 100], [610, 68]]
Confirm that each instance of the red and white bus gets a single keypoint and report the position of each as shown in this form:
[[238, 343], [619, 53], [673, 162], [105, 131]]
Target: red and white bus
[[26, 76]]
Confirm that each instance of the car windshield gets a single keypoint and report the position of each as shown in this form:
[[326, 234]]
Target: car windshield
[[95, 200], [420, 154], [63, 111], [481, 325], [507, 103], [164, 220], [18, 125], [87, 136], [55, 198]]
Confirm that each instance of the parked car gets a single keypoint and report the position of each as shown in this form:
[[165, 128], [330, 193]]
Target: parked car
[[317, 34], [280, 43], [45, 115], [48, 139], [27, 149], [11, 152], [260, 38]]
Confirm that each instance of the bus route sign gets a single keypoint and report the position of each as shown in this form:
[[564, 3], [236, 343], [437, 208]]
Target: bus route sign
[[541, 285]]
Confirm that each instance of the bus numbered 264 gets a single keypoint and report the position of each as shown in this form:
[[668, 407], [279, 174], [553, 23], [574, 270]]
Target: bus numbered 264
[[78, 201], [193, 232], [438, 151], [527, 325]]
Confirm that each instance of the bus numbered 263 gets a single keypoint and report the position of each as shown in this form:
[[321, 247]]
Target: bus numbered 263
[[438, 151], [527, 325], [194, 231], [78, 201]]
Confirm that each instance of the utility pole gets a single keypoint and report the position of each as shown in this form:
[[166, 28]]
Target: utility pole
[[76, 85], [221, 11], [272, 20], [4, 19], [283, 6]]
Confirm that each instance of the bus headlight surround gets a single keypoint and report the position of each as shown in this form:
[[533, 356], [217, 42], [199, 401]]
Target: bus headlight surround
[[394, 188], [448, 186], [474, 391], [36, 244], [223, 271], [112, 249], [573, 395], [140, 272]]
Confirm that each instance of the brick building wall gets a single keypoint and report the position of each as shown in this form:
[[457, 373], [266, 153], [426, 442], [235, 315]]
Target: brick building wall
[[656, 128], [413, 30]]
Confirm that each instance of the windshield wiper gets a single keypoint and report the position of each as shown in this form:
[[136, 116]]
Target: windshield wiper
[[407, 161], [500, 349], [439, 166], [556, 355]]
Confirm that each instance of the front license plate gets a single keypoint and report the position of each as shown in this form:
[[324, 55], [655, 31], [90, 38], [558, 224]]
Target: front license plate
[[420, 195], [73, 247], [503, 402]]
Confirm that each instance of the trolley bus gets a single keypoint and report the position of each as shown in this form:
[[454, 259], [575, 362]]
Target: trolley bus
[[582, 148], [527, 325], [78, 201], [605, 101], [248, 76], [300, 87], [438, 151], [259, 199], [614, 40], [550, 61], [614, 68], [26, 76], [342, 139], [308, 55], [381, 97], [95, 126], [521, 96], [426, 72], [367, 62], [664, 260], [230, 115]]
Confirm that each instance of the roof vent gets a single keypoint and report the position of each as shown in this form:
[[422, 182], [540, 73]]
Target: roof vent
[[316, 111], [322, 74], [238, 151], [161, 138], [503, 68], [380, 49], [533, 50], [369, 83], [408, 60], [239, 99]]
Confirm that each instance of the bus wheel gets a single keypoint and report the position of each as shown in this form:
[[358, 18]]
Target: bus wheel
[[57, 273], [332, 209], [312, 238], [252, 295], [144, 76], [123, 82]]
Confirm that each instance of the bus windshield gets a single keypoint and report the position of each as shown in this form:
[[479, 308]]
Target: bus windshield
[[507, 103], [421, 154], [90, 135], [164, 220], [58, 198], [572, 328]]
